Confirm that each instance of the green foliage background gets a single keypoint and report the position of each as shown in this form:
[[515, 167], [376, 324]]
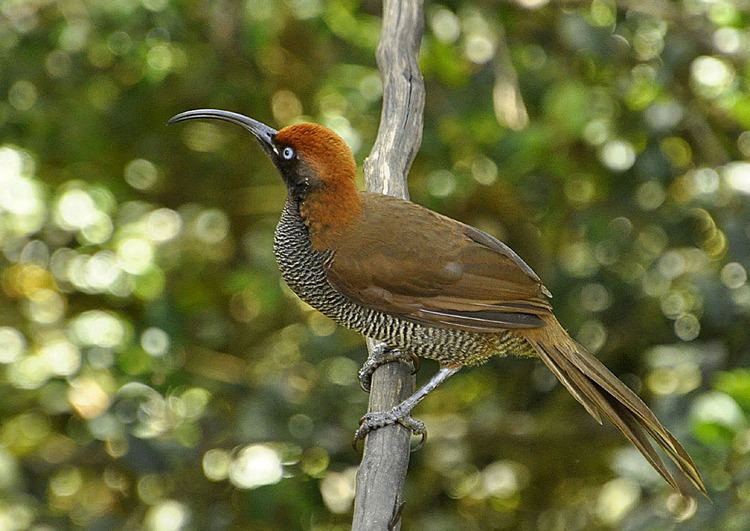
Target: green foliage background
[[156, 374]]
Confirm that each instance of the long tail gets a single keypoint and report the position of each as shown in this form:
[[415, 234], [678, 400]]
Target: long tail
[[604, 395]]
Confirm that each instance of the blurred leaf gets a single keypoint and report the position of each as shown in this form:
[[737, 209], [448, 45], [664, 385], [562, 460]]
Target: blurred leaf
[[735, 383]]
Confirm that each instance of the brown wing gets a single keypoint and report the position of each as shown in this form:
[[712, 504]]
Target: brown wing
[[404, 259]]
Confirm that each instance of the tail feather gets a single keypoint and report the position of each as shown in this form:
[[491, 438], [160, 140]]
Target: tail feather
[[603, 394], [574, 382], [620, 392]]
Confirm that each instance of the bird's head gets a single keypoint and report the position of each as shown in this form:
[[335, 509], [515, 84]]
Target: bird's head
[[310, 157], [317, 166]]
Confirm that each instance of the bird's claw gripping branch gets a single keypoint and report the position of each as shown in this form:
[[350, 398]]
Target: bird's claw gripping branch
[[379, 356], [380, 419]]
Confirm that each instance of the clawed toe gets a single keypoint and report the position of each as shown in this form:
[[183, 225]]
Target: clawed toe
[[401, 413], [365, 375], [381, 355], [379, 419]]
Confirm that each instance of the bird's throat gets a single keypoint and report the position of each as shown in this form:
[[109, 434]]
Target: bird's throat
[[328, 212]]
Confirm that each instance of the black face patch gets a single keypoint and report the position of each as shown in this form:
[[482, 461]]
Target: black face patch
[[299, 176]]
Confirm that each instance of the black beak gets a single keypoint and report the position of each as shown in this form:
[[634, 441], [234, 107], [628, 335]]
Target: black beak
[[261, 131]]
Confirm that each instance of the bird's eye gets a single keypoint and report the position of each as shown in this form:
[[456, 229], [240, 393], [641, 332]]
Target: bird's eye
[[287, 153]]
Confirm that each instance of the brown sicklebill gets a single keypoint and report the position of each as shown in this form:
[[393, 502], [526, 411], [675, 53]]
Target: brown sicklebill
[[427, 286]]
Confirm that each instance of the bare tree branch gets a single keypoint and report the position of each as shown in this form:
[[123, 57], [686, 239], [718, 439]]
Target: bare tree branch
[[381, 475]]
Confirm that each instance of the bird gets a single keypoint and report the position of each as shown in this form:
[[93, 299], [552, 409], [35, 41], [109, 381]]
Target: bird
[[427, 286]]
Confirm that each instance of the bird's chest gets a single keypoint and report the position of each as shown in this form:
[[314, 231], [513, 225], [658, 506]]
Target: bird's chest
[[303, 269], [301, 266]]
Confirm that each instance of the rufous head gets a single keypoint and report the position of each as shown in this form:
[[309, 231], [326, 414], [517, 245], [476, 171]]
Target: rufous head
[[320, 156], [317, 166], [310, 157]]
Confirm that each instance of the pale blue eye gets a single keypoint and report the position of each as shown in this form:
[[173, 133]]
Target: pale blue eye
[[287, 153]]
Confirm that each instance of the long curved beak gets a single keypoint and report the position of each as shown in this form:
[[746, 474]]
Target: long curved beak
[[261, 131]]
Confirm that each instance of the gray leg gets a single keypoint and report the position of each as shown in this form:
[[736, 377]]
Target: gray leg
[[381, 355], [401, 413]]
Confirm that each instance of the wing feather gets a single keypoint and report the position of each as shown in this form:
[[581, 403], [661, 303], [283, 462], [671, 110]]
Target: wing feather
[[404, 259]]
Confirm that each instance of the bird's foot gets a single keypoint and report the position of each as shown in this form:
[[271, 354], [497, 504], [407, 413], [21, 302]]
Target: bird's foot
[[380, 419], [402, 413], [381, 355]]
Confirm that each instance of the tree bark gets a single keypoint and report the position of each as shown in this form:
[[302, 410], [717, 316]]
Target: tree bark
[[382, 472]]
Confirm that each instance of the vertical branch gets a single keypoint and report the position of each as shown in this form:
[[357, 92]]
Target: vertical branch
[[400, 133], [381, 475]]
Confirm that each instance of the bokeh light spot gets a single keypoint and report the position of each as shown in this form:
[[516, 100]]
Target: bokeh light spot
[[503, 479], [300, 426], [315, 461], [159, 57], [532, 4], [616, 498], [286, 106], [663, 116], [87, 397], [168, 515], [445, 25], [141, 174], [8, 471], [155, 341], [216, 463], [592, 335], [163, 224], [22, 95], [737, 175], [66, 482], [597, 131], [155, 5], [711, 76], [62, 357], [75, 209], [687, 327], [729, 40], [733, 275], [45, 306], [255, 466], [101, 271], [595, 297], [203, 137], [681, 507], [119, 42], [337, 489], [12, 344], [135, 255], [306, 9], [484, 170], [441, 183], [719, 408], [617, 155], [211, 226], [29, 372], [98, 328], [58, 64], [479, 48], [341, 370]]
